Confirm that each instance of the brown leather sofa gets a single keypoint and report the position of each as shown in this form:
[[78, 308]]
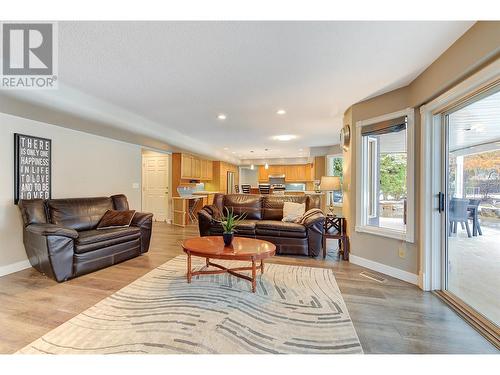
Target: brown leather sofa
[[263, 221], [61, 239]]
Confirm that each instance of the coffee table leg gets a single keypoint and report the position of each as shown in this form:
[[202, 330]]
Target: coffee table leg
[[254, 279], [262, 266], [189, 268]]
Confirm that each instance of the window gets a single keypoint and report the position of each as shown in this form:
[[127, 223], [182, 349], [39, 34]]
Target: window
[[334, 166], [385, 175]]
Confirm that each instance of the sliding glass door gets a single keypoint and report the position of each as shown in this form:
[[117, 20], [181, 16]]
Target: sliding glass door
[[471, 201]]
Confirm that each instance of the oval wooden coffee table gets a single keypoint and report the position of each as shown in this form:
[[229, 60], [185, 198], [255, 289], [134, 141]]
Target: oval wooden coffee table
[[242, 248]]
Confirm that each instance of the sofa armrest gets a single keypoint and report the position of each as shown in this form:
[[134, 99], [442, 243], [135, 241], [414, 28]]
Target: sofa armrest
[[141, 218], [207, 216], [144, 221], [314, 220], [50, 249], [312, 217], [46, 229]]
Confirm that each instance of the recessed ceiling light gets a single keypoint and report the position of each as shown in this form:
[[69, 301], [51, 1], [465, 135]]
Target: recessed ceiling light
[[226, 148], [221, 116], [284, 137], [234, 152], [301, 149], [281, 112], [478, 128]]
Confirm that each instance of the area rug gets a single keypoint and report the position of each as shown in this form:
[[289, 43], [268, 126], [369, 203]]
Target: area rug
[[295, 310]]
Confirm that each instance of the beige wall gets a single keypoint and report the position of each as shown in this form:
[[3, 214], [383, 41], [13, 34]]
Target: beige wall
[[83, 165], [477, 47]]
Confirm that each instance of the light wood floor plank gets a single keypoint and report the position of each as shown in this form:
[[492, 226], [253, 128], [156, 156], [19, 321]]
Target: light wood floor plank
[[393, 317]]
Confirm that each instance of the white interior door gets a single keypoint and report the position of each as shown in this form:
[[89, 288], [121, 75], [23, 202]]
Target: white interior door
[[155, 186]]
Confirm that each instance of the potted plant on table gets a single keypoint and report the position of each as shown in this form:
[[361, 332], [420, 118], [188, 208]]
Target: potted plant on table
[[229, 223]]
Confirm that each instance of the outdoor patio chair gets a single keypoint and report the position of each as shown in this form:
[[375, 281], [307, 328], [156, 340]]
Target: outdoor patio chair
[[458, 213], [474, 216]]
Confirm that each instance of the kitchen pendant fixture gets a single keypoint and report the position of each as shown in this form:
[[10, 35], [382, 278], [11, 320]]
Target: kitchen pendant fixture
[[266, 166], [252, 167]]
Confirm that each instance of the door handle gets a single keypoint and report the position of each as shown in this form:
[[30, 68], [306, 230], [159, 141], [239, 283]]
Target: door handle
[[440, 202]]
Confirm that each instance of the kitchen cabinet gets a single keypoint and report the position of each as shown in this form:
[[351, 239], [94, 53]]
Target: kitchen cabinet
[[210, 172], [206, 170], [186, 166], [196, 168], [293, 173], [263, 174], [276, 170]]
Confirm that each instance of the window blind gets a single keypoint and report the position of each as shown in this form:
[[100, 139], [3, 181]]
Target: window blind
[[390, 126]]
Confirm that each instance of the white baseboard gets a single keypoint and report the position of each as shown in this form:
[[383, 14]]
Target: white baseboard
[[382, 268], [14, 267]]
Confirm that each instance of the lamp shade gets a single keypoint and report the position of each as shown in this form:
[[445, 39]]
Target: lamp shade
[[330, 183]]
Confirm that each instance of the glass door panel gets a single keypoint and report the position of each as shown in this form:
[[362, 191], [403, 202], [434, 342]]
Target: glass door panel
[[472, 266]]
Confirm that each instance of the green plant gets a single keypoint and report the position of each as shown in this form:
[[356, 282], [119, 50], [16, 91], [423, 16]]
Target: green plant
[[393, 176], [230, 221]]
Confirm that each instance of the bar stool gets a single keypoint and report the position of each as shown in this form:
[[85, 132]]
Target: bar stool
[[264, 188], [245, 189]]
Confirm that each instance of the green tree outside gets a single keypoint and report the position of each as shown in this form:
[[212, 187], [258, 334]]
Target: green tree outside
[[393, 176]]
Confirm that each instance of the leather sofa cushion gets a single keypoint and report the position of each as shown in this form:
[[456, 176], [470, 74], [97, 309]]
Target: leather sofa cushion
[[275, 228], [244, 227], [120, 202], [96, 239], [33, 211], [251, 205], [80, 214], [272, 205], [280, 226]]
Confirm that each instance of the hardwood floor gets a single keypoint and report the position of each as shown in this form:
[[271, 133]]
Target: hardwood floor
[[389, 317]]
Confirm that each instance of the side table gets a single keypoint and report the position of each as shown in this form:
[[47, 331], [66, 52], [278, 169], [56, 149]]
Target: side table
[[336, 227]]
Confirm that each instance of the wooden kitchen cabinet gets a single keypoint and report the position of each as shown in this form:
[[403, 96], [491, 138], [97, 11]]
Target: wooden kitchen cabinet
[[276, 170], [196, 168], [293, 173], [210, 172], [263, 174], [206, 170], [186, 166]]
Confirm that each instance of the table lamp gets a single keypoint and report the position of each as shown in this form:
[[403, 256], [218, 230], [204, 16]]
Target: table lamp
[[330, 184]]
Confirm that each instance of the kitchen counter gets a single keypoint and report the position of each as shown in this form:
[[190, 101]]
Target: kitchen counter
[[308, 192]]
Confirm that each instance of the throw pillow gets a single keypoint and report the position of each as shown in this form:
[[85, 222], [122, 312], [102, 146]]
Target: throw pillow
[[116, 219], [308, 214], [292, 212]]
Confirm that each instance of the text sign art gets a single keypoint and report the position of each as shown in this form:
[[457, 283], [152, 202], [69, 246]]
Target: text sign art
[[32, 167]]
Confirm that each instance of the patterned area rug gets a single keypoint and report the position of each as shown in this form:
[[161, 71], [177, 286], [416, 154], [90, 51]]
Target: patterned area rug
[[295, 310]]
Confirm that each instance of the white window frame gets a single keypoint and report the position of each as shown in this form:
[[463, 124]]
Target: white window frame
[[431, 173], [362, 187]]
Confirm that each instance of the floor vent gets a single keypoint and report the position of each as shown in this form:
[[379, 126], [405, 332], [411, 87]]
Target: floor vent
[[373, 276]]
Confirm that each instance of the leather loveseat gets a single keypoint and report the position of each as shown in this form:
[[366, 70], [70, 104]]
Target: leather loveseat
[[263, 220], [61, 239]]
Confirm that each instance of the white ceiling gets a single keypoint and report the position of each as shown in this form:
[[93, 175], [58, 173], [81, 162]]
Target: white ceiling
[[476, 124], [170, 80]]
